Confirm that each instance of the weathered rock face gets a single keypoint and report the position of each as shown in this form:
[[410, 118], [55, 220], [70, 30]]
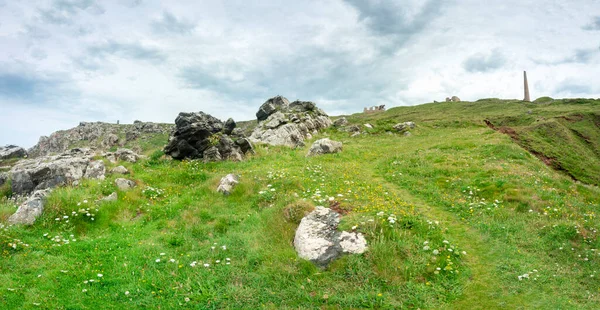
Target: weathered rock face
[[30, 210], [324, 146], [227, 184], [12, 151], [200, 135], [97, 135], [124, 184], [50, 171], [404, 127], [283, 123], [318, 240]]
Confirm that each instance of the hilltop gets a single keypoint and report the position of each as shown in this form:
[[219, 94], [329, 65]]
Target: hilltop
[[486, 204]]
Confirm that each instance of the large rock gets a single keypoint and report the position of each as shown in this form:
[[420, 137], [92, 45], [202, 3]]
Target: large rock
[[227, 184], [324, 146], [31, 209], [202, 136], [271, 106], [318, 240], [283, 123], [12, 151], [340, 122], [403, 127], [50, 171]]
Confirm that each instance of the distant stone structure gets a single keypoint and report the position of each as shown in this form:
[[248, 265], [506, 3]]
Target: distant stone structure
[[452, 99], [374, 109], [526, 87]]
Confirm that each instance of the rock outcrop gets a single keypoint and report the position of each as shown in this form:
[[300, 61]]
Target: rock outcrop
[[283, 123], [50, 171], [404, 127], [31, 209], [227, 184], [96, 135], [202, 136], [318, 240], [12, 151], [324, 146]]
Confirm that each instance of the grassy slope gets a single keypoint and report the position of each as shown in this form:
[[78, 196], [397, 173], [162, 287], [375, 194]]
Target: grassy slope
[[454, 179]]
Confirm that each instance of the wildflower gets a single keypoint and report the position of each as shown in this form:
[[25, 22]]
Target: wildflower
[[158, 260], [84, 290], [224, 247], [426, 243], [206, 265], [162, 254], [446, 242], [193, 264], [227, 259], [172, 260], [218, 261], [187, 299], [436, 252], [426, 248], [100, 275]]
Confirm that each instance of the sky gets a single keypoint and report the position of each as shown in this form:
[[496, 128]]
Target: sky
[[67, 61]]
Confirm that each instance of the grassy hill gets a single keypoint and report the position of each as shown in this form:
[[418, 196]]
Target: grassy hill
[[510, 231]]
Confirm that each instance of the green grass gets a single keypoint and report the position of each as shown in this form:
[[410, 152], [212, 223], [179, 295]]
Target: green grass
[[455, 184]]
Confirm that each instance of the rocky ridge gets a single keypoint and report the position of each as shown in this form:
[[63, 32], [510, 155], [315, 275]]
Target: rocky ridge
[[97, 135]]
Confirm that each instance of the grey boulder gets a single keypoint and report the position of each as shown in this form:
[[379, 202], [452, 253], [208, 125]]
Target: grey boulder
[[50, 171], [227, 184], [318, 240], [124, 184], [324, 146], [31, 209], [342, 121], [12, 151]]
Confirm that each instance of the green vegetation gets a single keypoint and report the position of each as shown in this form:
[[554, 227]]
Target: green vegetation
[[457, 216]]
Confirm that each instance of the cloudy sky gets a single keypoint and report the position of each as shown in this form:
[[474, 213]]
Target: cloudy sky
[[66, 61]]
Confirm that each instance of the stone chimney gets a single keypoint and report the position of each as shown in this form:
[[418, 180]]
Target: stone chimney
[[527, 99]]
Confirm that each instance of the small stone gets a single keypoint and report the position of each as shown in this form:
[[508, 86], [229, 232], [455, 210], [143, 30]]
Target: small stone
[[111, 197], [227, 184], [119, 170], [124, 184]]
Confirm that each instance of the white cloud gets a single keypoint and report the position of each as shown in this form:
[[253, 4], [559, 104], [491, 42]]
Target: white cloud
[[81, 60]]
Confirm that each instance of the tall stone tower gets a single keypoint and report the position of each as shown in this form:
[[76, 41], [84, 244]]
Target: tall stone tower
[[526, 87]]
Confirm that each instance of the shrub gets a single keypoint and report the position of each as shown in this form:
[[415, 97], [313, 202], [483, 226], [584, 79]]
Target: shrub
[[295, 211]]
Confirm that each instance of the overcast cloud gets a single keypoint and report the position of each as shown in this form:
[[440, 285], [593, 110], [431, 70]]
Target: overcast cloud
[[66, 61]]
